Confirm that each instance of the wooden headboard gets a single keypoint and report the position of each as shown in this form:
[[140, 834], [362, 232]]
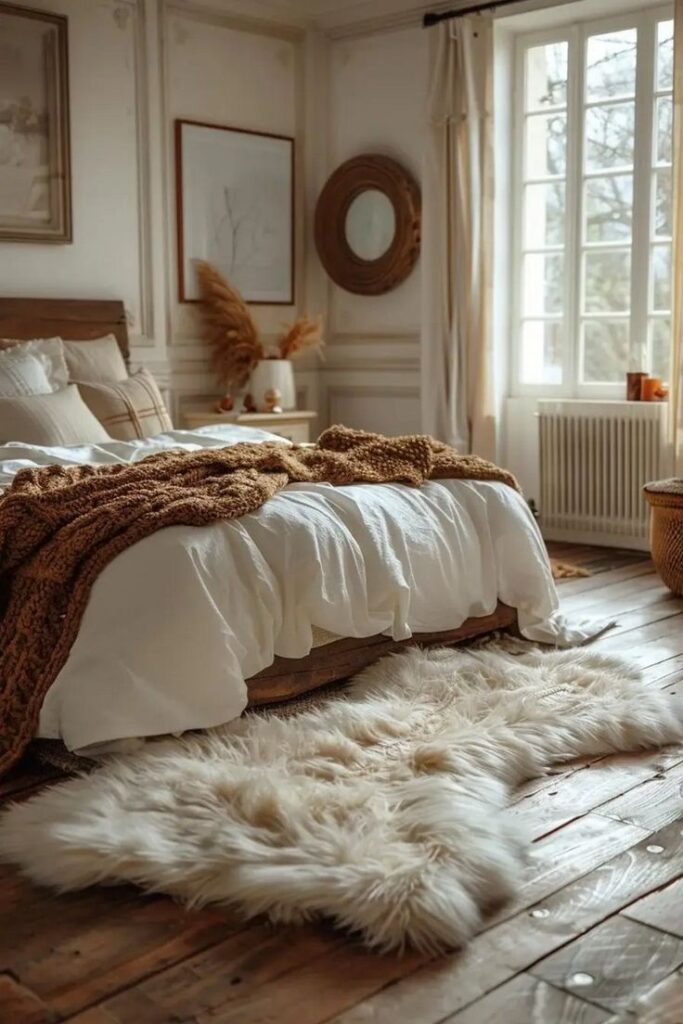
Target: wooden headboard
[[72, 319]]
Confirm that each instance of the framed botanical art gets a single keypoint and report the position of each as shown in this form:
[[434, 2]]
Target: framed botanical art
[[235, 209], [35, 178]]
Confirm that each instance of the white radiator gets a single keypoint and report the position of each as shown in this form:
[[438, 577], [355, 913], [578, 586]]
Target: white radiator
[[595, 458]]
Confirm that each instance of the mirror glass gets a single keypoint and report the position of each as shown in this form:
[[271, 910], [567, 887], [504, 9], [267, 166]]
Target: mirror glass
[[370, 224]]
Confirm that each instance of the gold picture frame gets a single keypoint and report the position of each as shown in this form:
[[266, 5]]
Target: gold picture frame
[[35, 166]]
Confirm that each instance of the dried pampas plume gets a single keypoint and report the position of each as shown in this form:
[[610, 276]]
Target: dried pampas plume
[[229, 328], [305, 334]]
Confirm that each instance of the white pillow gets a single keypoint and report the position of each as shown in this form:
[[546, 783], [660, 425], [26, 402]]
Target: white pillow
[[95, 362], [53, 419], [128, 409], [22, 374], [48, 352]]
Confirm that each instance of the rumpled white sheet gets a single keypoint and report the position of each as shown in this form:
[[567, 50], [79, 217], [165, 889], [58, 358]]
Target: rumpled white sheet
[[176, 623]]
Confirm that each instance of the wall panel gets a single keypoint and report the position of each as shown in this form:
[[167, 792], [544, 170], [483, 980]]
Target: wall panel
[[376, 97]]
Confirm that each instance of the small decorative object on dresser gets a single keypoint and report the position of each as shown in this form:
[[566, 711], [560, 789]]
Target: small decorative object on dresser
[[225, 404], [294, 425], [273, 400]]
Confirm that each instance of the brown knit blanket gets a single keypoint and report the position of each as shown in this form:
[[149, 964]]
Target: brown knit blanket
[[60, 526]]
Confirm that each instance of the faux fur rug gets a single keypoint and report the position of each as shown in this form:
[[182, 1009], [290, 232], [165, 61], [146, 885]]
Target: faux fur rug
[[382, 809]]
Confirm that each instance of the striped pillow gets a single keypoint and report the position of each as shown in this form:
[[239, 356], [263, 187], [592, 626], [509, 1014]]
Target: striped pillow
[[128, 409]]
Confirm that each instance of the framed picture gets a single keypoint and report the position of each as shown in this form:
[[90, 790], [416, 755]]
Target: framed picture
[[235, 209], [35, 177]]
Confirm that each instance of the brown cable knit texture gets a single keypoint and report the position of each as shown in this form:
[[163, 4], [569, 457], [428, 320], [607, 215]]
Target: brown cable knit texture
[[60, 526]]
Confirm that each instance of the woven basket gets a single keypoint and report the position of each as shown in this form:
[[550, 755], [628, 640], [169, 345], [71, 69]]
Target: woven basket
[[665, 497]]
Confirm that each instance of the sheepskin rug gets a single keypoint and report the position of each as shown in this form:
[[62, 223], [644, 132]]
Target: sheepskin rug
[[382, 809]]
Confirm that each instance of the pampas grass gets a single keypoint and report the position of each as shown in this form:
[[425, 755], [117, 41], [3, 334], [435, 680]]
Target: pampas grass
[[229, 328], [304, 335], [231, 331]]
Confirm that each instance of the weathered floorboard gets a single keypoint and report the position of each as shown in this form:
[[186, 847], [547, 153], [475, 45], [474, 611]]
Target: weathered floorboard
[[600, 896], [614, 964]]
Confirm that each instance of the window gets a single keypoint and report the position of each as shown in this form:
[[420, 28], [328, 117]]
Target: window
[[593, 195]]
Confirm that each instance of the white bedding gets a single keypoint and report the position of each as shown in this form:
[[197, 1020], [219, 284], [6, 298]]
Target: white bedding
[[176, 623]]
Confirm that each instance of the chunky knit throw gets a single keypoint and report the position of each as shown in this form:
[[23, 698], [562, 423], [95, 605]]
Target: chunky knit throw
[[60, 526]]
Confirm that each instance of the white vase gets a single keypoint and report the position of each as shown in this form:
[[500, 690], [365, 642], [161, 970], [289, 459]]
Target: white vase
[[269, 375]]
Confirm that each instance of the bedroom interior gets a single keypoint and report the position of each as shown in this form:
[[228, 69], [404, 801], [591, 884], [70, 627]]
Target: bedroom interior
[[341, 511]]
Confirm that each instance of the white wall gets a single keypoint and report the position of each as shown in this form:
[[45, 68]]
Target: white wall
[[135, 65], [221, 69], [370, 378]]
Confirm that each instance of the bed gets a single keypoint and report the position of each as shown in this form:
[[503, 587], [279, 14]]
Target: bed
[[127, 675]]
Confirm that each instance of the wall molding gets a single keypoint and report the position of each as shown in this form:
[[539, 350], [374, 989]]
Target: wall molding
[[225, 18], [371, 391], [233, 20], [233, 13], [377, 356], [344, 339], [374, 365], [142, 150], [159, 367], [363, 19]]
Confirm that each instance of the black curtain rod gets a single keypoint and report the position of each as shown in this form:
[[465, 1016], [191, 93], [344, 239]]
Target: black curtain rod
[[434, 17]]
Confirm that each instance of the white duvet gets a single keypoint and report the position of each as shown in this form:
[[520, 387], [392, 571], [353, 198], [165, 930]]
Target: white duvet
[[177, 622]]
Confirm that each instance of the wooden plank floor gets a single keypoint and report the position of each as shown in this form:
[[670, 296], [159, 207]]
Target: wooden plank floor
[[594, 936]]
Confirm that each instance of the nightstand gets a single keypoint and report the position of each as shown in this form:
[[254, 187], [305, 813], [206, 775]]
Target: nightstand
[[294, 424]]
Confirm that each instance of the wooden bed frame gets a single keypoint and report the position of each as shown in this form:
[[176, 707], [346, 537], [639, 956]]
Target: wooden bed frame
[[88, 319], [73, 319], [288, 677]]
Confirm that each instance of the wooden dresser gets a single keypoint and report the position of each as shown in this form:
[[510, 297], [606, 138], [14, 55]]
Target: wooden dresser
[[294, 424]]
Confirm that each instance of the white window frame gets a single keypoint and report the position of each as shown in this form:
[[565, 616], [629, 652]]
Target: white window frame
[[576, 35]]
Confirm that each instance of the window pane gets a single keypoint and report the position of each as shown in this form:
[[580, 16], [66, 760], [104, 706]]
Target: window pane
[[664, 129], [609, 136], [661, 277], [543, 284], [660, 347], [609, 208], [611, 64], [607, 282], [546, 145], [665, 54], [605, 351], [663, 211], [546, 76], [544, 211], [541, 352]]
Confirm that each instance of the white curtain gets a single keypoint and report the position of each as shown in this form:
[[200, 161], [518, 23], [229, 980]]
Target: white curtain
[[676, 398], [458, 397]]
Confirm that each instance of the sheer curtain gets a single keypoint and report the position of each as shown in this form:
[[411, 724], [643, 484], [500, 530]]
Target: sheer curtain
[[458, 401], [676, 400]]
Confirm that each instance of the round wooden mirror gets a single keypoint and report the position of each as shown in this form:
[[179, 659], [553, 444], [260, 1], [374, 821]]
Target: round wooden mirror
[[367, 225]]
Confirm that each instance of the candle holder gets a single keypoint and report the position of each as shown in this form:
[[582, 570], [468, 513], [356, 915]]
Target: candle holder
[[633, 385], [652, 390]]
